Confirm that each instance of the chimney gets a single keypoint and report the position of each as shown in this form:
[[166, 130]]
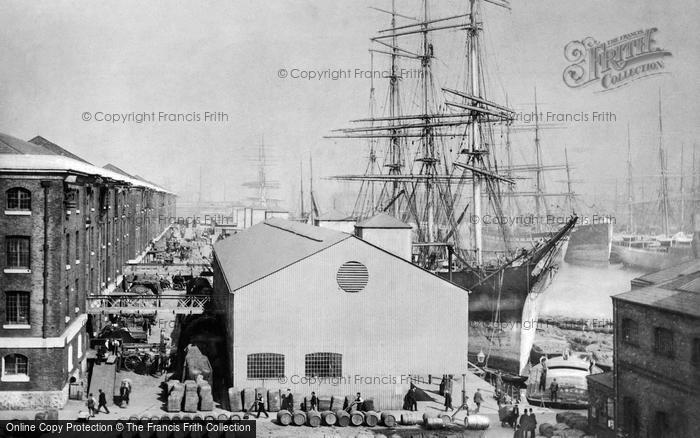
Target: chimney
[[388, 233]]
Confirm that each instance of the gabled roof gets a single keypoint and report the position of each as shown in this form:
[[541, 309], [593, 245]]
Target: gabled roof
[[114, 168], [19, 156], [268, 247], [55, 149], [382, 220], [676, 289]]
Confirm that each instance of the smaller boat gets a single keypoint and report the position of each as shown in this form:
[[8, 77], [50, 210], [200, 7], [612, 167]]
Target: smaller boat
[[570, 373]]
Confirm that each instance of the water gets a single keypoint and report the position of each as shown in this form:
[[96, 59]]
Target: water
[[584, 292]]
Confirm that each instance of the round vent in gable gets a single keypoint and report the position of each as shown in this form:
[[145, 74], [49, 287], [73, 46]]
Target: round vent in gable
[[352, 276]]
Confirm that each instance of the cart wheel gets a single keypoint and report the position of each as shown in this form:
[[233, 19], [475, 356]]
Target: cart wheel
[[131, 362]]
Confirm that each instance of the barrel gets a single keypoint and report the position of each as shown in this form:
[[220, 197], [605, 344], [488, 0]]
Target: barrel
[[368, 405], [273, 401], [222, 417], [235, 402], [337, 402], [197, 417], [262, 391], [477, 422], [52, 414], [299, 417], [173, 418], [40, 415], [324, 403], [411, 418], [447, 419], [343, 418], [371, 418], [356, 418], [329, 418], [155, 418], [434, 423], [248, 398], [284, 418], [313, 418], [235, 417], [389, 419], [209, 418]]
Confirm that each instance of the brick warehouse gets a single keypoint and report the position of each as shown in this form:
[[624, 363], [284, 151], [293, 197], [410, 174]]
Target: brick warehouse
[[657, 354], [66, 228]]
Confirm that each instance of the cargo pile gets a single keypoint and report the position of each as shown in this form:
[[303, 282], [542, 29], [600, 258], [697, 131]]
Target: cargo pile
[[192, 396], [569, 425]]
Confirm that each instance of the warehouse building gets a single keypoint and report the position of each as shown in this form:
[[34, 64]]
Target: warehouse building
[[657, 354], [66, 229], [315, 309]]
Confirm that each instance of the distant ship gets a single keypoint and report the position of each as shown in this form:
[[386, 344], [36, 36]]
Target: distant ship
[[590, 244]]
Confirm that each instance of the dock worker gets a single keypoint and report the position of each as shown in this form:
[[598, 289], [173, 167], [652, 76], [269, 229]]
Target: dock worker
[[478, 400], [260, 406], [553, 390], [313, 403], [524, 423], [448, 401], [533, 425], [91, 403], [288, 401], [357, 402]]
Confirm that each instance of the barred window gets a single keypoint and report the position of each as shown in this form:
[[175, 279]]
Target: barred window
[[630, 328], [324, 365], [18, 252], [663, 341], [14, 364], [265, 366], [19, 199], [17, 307]]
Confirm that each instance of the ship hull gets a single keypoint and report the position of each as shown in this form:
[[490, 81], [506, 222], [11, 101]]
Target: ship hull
[[652, 259], [590, 245]]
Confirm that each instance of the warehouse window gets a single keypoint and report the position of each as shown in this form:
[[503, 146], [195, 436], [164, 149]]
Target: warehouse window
[[15, 367], [630, 328], [663, 341], [324, 365], [265, 366], [19, 199], [17, 307], [18, 252], [352, 276]]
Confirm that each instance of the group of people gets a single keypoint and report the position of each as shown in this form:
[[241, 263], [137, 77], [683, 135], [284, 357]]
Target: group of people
[[526, 427], [94, 406]]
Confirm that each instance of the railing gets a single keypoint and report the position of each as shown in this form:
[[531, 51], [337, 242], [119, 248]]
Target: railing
[[129, 303]]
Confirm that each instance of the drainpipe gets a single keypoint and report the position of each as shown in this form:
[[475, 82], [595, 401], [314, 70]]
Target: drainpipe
[[45, 301]]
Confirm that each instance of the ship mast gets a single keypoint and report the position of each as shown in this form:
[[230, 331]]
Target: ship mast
[[664, 179], [475, 147], [630, 188]]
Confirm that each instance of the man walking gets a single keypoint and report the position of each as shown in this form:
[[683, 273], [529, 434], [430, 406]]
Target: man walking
[[524, 424], [260, 405], [478, 400], [91, 402], [553, 390], [102, 401]]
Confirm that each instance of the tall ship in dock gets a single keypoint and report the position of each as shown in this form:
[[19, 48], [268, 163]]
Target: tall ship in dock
[[655, 251], [433, 165]]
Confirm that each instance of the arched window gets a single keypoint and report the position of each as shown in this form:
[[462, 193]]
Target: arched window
[[324, 365], [265, 366], [19, 199], [15, 367]]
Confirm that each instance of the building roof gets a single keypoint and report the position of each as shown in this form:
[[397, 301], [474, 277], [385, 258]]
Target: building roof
[[335, 216], [114, 168], [603, 379], [676, 290], [268, 247], [56, 149], [382, 220], [21, 156]]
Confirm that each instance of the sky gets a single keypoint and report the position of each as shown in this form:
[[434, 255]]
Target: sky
[[61, 60]]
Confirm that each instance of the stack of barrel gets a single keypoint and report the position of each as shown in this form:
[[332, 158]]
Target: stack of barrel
[[175, 393], [206, 400], [191, 396]]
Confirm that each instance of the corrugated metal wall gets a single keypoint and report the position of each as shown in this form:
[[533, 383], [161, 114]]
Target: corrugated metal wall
[[405, 321]]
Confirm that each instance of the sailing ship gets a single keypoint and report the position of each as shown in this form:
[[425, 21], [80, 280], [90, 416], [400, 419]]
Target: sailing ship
[[654, 252], [434, 167]]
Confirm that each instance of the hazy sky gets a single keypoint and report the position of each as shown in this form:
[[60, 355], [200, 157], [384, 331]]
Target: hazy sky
[[60, 59]]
